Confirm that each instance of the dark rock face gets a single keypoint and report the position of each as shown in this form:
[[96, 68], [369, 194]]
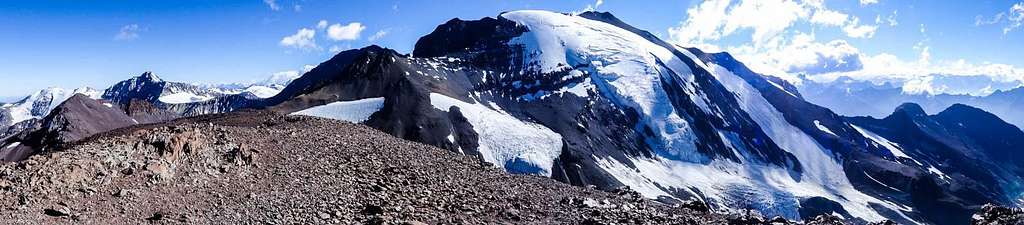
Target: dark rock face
[[146, 112], [999, 139], [817, 206], [962, 155], [147, 87]]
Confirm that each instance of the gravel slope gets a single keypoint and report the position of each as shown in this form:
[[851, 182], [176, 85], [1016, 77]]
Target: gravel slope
[[263, 168]]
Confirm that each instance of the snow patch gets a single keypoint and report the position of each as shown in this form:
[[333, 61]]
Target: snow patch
[[824, 128], [505, 139], [262, 91], [183, 97], [352, 111], [937, 172], [878, 140], [879, 182]]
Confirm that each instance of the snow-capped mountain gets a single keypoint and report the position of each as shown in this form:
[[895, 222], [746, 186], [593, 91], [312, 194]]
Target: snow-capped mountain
[[38, 105], [150, 87], [864, 98], [970, 150], [589, 100], [78, 117], [192, 99], [147, 98]]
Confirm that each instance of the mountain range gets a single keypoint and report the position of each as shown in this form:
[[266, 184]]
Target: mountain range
[[588, 100], [853, 97]]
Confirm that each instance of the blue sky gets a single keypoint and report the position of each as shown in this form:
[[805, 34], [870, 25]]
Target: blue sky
[[96, 43]]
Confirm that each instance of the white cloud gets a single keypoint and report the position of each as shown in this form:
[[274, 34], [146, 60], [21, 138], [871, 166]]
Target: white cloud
[[1015, 18], [297, 8], [321, 25], [377, 36], [128, 32], [803, 54], [829, 17], [890, 20], [855, 30], [783, 43], [775, 45], [590, 7], [307, 68], [703, 24], [769, 21], [282, 77], [302, 39], [348, 32], [980, 20], [272, 4], [868, 2]]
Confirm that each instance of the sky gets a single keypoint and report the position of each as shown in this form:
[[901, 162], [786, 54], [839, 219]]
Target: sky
[[69, 44]]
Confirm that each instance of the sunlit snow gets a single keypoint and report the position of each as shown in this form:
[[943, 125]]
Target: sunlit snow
[[353, 111]]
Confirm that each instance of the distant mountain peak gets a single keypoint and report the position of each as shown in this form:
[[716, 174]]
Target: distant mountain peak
[[963, 107], [912, 109], [150, 76]]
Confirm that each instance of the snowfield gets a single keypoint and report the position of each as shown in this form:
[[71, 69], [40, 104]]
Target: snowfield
[[262, 91], [355, 111], [884, 143], [624, 67], [505, 139]]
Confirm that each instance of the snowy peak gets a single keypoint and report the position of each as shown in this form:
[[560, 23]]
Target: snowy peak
[[911, 109], [39, 104], [149, 76], [77, 117]]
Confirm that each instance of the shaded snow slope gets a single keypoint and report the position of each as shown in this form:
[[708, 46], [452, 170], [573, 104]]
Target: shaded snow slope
[[505, 140]]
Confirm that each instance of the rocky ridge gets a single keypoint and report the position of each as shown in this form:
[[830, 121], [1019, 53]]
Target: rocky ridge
[[224, 169]]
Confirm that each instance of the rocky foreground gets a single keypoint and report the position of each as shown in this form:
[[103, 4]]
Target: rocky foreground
[[263, 168]]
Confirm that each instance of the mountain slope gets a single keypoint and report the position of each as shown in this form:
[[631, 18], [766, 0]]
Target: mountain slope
[[222, 169], [74, 119], [588, 100], [190, 99], [861, 98], [36, 106], [969, 151]]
